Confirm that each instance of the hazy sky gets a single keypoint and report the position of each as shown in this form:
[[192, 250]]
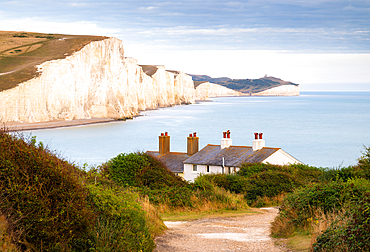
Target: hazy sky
[[304, 41]]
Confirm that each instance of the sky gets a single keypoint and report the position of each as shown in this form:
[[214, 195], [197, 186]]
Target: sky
[[321, 44]]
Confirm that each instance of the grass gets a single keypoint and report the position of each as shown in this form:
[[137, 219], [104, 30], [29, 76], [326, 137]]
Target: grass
[[20, 53], [187, 216], [299, 242]]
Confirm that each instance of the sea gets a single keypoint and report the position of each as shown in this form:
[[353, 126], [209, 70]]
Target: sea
[[322, 129]]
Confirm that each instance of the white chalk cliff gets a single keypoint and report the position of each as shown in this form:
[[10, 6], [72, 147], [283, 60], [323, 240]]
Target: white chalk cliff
[[97, 81], [208, 90], [284, 90]]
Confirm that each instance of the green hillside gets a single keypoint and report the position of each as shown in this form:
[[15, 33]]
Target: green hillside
[[21, 52], [243, 85]]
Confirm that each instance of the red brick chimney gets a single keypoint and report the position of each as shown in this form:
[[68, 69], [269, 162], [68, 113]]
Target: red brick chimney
[[193, 144], [164, 143]]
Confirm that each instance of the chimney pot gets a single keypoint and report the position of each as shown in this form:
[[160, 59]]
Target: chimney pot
[[190, 135], [260, 135], [166, 133], [226, 142], [256, 136], [195, 134], [162, 134]]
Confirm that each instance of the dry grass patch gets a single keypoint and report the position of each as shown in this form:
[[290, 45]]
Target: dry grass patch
[[186, 216], [299, 242], [7, 41]]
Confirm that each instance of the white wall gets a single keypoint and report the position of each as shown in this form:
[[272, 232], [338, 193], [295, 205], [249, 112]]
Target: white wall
[[190, 175], [281, 158]]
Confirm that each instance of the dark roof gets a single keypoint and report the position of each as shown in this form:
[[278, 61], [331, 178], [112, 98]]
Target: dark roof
[[234, 155], [173, 161]]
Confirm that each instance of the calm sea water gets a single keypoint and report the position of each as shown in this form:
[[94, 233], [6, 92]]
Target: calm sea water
[[327, 129]]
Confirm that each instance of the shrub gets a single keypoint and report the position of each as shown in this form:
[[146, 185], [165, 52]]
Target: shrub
[[42, 197], [121, 222], [351, 230], [150, 178], [6, 243], [127, 169], [231, 182], [298, 208], [140, 170]]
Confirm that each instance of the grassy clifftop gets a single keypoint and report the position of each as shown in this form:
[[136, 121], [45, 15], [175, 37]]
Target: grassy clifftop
[[21, 52], [243, 85]]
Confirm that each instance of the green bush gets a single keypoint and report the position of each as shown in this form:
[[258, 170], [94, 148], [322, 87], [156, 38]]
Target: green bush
[[303, 173], [353, 235], [127, 169], [42, 197], [231, 182], [269, 184], [121, 223], [140, 170], [150, 178], [298, 208]]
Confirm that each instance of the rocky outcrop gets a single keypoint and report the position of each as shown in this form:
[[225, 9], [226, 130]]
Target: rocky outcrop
[[207, 90], [284, 90], [97, 81]]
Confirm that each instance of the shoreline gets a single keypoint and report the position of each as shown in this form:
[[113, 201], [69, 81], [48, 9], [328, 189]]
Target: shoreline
[[18, 126], [26, 126]]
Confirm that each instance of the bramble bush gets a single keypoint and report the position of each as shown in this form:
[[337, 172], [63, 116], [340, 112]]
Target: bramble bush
[[350, 231], [48, 204], [121, 223], [299, 207], [42, 197]]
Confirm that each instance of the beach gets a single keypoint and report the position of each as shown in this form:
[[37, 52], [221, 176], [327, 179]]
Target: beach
[[19, 126]]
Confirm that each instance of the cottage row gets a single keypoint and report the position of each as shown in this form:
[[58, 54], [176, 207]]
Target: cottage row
[[225, 158]]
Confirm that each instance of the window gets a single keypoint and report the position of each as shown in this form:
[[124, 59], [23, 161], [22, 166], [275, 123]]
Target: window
[[195, 167], [208, 168]]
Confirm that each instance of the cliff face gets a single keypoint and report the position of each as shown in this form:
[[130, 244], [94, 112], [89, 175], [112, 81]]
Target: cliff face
[[207, 90], [97, 81], [284, 90]]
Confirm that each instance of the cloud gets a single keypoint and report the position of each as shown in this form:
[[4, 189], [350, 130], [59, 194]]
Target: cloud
[[39, 25], [147, 8], [78, 4], [224, 31]]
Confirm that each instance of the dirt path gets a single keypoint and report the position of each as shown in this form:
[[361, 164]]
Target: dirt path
[[246, 233]]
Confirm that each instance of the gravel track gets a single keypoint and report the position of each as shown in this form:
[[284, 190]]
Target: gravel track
[[246, 233]]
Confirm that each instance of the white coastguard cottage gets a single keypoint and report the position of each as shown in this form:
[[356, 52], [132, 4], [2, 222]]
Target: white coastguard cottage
[[224, 158]]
